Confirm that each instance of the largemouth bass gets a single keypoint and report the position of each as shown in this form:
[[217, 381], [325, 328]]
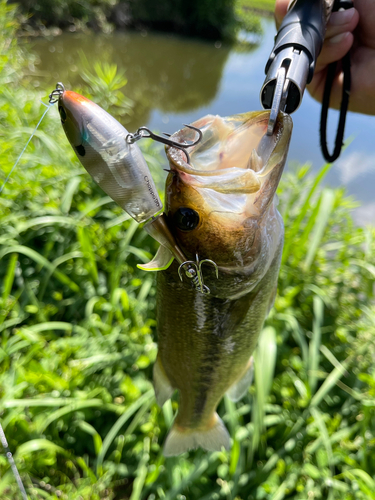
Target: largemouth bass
[[221, 207]]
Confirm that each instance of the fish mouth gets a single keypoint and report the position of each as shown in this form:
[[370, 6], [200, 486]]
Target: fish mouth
[[235, 155]]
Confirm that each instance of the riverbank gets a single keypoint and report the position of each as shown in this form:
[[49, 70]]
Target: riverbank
[[219, 20]]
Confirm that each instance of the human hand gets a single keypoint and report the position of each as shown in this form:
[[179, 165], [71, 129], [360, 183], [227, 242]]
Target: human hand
[[354, 30]]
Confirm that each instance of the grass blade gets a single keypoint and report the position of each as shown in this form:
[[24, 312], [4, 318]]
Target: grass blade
[[147, 397], [66, 200], [141, 472], [303, 211], [87, 249], [326, 206], [42, 261], [264, 363], [9, 277], [76, 406], [314, 347]]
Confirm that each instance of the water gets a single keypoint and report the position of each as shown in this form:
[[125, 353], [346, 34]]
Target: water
[[174, 81]]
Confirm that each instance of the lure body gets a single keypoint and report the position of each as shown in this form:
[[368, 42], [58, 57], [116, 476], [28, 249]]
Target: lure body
[[221, 207], [119, 168]]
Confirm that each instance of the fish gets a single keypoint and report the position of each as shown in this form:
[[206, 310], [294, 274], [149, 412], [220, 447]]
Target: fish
[[221, 206], [101, 145], [220, 220]]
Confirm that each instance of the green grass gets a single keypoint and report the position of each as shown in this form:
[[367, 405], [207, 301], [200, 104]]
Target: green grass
[[260, 5], [77, 324]]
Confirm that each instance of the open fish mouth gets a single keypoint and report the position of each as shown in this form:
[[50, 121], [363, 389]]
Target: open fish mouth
[[235, 155]]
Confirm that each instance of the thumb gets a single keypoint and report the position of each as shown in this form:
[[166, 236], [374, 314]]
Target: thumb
[[281, 8]]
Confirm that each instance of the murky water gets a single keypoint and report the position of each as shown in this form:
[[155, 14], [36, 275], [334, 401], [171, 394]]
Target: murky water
[[174, 81]]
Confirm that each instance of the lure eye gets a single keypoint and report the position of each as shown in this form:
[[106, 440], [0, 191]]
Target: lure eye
[[81, 150], [186, 219], [62, 114]]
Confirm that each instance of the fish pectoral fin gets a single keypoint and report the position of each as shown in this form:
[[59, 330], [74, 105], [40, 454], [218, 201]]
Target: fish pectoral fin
[[162, 386], [238, 390], [272, 299], [162, 260], [214, 438]]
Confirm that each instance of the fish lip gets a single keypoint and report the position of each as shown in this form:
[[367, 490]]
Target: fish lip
[[177, 157]]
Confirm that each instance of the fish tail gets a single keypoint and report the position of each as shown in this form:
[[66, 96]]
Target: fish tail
[[213, 438]]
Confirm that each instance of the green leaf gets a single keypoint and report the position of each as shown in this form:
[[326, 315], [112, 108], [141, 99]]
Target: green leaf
[[325, 208], [144, 399], [9, 277], [88, 252], [314, 347], [38, 445], [42, 261], [66, 200], [69, 408]]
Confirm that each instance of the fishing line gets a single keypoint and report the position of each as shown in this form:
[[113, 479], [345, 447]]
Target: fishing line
[[12, 463], [51, 103]]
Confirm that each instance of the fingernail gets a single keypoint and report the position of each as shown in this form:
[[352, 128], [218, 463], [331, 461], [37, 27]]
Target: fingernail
[[338, 38], [341, 17]]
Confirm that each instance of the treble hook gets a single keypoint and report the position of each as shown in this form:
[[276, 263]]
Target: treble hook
[[194, 272], [55, 94], [148, 134]]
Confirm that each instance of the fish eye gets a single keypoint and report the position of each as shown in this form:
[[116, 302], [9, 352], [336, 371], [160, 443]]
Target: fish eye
[[186, 219], [62, 114]]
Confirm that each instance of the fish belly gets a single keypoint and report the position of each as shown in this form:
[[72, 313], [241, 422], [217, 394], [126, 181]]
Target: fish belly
[[205, 342]]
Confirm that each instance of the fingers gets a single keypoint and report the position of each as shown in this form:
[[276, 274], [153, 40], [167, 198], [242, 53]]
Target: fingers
[[281, 8], [334, 49], [342, 21], [339, 37], [339, 22]]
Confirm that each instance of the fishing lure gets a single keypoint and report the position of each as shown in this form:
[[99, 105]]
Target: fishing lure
[[111, 156]]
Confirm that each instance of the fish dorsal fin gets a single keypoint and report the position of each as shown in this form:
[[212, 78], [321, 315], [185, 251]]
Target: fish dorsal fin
[[162, 260]]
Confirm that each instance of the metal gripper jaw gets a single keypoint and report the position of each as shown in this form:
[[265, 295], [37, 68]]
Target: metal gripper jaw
[[291, 64]]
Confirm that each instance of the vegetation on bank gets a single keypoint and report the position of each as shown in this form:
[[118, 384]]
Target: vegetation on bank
[[77, 323], [210, 19], [266, 6]]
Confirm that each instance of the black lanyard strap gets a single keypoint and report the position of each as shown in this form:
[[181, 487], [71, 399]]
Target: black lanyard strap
[[331, 73]]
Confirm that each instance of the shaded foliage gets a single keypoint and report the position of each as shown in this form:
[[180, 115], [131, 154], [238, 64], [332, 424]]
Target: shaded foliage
[[209, 19], [203, 18]]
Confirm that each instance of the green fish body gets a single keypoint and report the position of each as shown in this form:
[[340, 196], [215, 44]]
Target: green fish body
[[220, 207]]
